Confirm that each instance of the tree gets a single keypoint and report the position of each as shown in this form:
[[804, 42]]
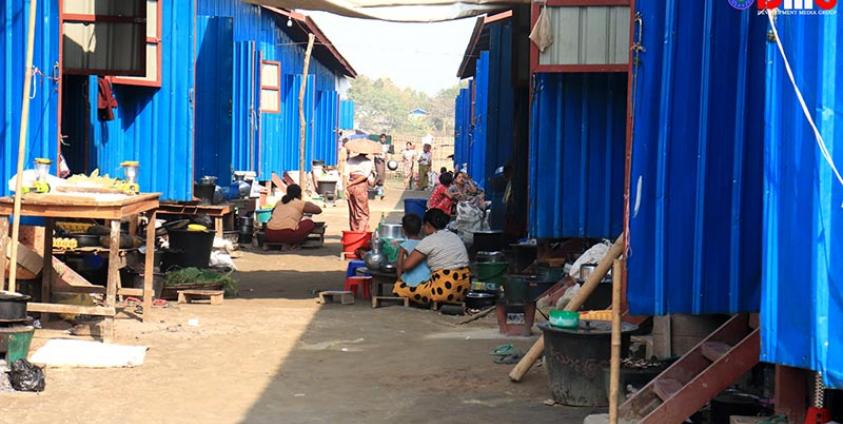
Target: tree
[[382, 106]]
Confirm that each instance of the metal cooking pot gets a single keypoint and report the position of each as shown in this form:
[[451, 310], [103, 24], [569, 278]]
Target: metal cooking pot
[[491, 257], [13, 307], [392, 165], [586, 270], [391, 231], [374, 260], [479, 300]]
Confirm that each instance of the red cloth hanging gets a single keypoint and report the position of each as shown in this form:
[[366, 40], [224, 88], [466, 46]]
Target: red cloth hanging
[[105, 100]]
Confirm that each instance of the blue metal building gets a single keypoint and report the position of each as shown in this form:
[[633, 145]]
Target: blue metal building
[[697, 149], [803, 201], [577, 134], [221, 95], [43, 132]]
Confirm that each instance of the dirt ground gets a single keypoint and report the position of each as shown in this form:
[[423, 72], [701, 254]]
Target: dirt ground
[[273, 355]]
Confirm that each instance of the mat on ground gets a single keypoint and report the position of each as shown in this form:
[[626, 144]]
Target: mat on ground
[[63, 353]]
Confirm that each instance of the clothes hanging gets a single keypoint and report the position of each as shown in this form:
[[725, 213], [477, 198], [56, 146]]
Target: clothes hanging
[[105, 100]]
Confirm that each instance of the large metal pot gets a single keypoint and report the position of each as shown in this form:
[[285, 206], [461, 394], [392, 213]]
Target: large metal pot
[[391, 231], [13, 307]]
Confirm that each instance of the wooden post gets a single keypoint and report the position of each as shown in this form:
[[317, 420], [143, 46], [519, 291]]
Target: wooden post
[[149, 267], [4, 244], [588, 287], [24, 124], [302, 121], [615, 363], [47, 268]]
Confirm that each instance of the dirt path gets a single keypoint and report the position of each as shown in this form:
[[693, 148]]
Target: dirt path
[[274, 356]]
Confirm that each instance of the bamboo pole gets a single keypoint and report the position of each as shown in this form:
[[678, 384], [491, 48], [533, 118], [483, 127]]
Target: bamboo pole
[[24, 124], [302, 121], [615, 363], [588, 287]]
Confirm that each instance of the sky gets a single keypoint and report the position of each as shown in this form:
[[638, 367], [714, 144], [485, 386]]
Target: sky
[[424, 57]]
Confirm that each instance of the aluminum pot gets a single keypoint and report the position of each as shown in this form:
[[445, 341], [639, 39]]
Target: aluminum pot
[[491, 257], [586, 270], [13, 307], [391, 231]]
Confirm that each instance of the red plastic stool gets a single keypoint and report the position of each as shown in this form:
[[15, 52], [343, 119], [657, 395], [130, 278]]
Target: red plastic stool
[[352, 283]]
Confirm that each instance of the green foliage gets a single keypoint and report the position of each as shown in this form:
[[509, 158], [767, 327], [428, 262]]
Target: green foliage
[[191, 277], [382, 106]]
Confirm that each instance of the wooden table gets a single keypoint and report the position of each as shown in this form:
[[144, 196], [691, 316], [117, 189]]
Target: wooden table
[[218, 212], [55, 206]]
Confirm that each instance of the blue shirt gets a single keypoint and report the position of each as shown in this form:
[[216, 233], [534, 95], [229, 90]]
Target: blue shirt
[[419, 274]]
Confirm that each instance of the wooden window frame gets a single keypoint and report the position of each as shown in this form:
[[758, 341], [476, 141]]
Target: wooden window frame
[[276, 88], [159, 46]]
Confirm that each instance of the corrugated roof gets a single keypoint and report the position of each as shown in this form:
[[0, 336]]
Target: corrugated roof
[[398, 10], [324, 50], [478, 42]]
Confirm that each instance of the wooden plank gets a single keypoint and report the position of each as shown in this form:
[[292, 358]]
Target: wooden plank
[[54, 308], [715, 350], [79, 290], [124, 291], [214, 296], [47, 269], [149, 266], [343, 297], [4, 240], [62, 200], [218, 228]]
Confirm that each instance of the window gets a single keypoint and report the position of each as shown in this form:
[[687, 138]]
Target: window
[[103, 37], [152, 44], [270, 86]]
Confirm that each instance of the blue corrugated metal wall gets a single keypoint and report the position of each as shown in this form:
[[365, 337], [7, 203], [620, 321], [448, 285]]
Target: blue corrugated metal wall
[[325, 135], [462, 126], [42, 136], [695, 224], [803, 217], [479, 137], [268, 142], [154, 126], [347, 115], [578, 139], [491, 140], [244, 107], [214, 97]]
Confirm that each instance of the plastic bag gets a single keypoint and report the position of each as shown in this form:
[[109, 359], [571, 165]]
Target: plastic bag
[[26, 377]]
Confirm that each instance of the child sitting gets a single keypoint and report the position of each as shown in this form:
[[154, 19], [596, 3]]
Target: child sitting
[[442, 198], [412, 230]]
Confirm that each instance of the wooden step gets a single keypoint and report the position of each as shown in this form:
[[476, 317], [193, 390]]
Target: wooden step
[[715, 350], [699, 375], [215, 297], [665, 389], [342, 297]]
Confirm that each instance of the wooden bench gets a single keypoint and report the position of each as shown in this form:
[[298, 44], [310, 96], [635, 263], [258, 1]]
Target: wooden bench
[[214, 296], [342, 297]]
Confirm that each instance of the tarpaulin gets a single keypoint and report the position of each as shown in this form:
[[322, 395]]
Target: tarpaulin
[[398, 10]]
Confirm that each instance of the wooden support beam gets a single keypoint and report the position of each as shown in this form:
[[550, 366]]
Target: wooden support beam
[[791, 393], [47, 270], [53, 308]]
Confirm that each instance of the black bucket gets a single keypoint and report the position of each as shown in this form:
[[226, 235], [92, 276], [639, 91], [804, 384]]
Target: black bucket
[[189, 249], [523, 255], [575, 359], [205, 193], [489, 241], [245, 229]]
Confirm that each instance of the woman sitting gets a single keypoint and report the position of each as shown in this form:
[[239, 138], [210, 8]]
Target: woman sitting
[[447, 258], [442, 198], [465, 190], [286, 225]]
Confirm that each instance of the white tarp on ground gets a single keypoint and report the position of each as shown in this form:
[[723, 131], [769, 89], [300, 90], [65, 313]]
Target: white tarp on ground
[[398, 10], [65, 353]]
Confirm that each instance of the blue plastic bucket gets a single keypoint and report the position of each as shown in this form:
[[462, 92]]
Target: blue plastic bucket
[[415, 207]]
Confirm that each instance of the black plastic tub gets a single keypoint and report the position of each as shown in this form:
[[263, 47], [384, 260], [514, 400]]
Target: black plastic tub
[[525, 288], [575, 359], [13, 307], [189, 249]]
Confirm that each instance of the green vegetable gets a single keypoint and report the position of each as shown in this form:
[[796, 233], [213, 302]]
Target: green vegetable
[[201, 277]]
